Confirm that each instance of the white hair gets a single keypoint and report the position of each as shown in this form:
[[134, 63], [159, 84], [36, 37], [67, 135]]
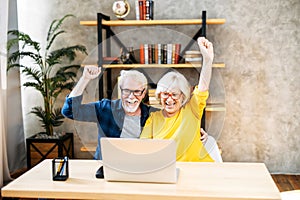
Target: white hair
[[174, 80], [134, 76]]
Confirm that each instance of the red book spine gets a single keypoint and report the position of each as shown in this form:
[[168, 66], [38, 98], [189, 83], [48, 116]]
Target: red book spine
[[177, 53], [142, 54], [144, 9], [141, 9]]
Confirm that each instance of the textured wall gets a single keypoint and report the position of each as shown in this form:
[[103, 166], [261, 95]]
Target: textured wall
[[259, 44]]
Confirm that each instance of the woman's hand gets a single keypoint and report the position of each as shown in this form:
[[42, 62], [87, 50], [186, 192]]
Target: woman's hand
[[207, 51], [206, 48]]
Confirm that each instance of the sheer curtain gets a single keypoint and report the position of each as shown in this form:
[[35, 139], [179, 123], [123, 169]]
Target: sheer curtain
[[4, 172]]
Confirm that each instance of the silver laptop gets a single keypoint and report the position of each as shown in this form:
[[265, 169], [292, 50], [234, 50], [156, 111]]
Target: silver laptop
[[139, 160]]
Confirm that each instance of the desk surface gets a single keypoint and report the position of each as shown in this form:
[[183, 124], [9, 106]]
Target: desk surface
[[196, 181]]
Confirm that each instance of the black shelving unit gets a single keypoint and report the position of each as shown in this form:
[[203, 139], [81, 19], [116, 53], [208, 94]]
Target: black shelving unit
[[109, 33]]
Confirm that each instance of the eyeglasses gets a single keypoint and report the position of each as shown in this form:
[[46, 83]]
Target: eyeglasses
[[166, 95], [127, 92]]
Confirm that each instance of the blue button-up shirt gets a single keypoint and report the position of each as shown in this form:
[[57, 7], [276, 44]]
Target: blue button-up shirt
[[108, 114]]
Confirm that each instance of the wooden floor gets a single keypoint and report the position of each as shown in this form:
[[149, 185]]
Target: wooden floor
[[286, 182]]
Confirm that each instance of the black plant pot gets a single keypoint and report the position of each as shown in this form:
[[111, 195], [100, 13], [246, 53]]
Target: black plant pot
[[41, 148]]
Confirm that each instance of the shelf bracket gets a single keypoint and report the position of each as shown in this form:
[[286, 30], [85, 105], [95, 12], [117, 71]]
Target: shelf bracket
[[200, 33], [100, 51]]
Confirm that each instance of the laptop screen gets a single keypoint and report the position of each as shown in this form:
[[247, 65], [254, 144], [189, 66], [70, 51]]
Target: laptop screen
[[139, 160]]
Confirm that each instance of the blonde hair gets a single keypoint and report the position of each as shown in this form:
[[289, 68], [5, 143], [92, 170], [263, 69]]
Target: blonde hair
[[134, 76], [174, 80]]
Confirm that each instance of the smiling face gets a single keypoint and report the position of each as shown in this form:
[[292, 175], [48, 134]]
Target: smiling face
[[173, 90], [132, 94], [171, 100]]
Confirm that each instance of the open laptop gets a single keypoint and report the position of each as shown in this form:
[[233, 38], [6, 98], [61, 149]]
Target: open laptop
[[139, 160]]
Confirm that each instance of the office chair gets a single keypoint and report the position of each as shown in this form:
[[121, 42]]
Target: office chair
[[213, 149]]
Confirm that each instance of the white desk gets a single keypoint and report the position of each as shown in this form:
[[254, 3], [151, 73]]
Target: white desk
[[196, 181]]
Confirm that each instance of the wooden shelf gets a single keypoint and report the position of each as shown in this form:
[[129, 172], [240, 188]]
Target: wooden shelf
[[153, 22], [183, 65], [89, 147], [215, 107], [208, 108]]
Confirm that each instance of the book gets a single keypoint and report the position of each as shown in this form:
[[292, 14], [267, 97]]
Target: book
[[146, 52], [193, 52], [193, 59], [153, 53], [142, 54], [141, 9], [152, 99], [192, 55], [144, 9], [169, 54], [147, 16], [164, 53], [151, 9], [173, 53], [177, 53], [156, 53], [137, 10], [197, 60], [159, 58], [150, 53]]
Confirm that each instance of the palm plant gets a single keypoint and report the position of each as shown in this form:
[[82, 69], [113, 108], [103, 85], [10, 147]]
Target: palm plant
[[46, 73]]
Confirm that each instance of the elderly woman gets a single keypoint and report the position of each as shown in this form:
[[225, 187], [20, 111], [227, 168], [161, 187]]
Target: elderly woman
[[181, 115]]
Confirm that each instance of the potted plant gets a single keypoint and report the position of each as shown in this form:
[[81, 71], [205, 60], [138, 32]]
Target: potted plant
[[48, 75]]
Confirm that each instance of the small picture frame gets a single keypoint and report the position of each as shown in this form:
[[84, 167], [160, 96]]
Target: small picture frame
[[60, 169]]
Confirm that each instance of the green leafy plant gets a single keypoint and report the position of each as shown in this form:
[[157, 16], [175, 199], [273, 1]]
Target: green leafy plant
[[46, 73]]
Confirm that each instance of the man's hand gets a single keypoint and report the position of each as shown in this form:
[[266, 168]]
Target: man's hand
[[206, 48], [91, 72], [204, 136]]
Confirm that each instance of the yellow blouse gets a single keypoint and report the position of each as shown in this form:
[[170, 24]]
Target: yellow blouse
[[184, 128]]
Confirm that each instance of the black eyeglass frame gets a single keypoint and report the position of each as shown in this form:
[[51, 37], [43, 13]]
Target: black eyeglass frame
[[136, 93]]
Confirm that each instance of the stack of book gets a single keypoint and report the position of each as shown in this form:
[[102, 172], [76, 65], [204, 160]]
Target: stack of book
[[193, 57], [152, 99], [144, 9], [160, 53]]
